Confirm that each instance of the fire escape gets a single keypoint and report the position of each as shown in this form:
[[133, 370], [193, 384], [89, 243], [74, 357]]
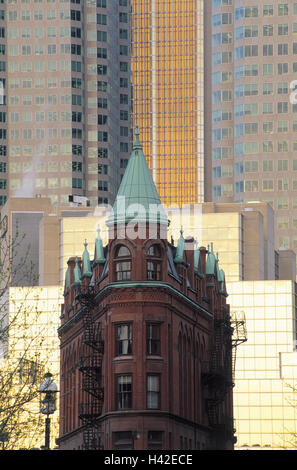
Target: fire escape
[[218, 373], [90, 366], [239, 336]]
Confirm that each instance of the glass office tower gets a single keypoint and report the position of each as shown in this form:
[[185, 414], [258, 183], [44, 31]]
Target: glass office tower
[[65, 113], [168, 94]]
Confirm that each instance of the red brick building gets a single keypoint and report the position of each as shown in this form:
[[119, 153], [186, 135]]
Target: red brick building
[[146, 347]]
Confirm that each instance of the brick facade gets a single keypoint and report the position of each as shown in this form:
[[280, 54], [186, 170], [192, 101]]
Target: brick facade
[[191, 360], [146, 340]]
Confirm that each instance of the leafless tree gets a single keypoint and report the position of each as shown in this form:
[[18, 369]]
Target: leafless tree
[[21, 365]]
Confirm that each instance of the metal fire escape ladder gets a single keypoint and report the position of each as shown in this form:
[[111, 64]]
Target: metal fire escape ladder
[[216, 377], [239, 336], [229, 332], [90, 366]]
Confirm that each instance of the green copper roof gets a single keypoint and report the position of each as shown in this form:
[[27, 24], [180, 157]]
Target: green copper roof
[[99, 252], [86, 262], [196, 257], [179, 256], [77, 274], [210, 262], [221, 275], [137, 192]]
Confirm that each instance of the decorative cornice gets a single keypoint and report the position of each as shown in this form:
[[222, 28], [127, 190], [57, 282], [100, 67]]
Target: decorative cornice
[[140, 284]]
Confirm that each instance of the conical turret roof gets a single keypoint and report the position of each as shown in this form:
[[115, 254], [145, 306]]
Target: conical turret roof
[[211, 262], [180, 248], [137, 196], [77, 274], [99, 251], [86, 262]]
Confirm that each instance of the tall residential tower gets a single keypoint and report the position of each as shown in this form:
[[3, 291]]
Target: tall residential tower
[[254, 120], [65, 113]]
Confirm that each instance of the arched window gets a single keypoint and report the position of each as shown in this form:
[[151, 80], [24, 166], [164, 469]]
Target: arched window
[[154, 263], [123, 266], [123, 251]]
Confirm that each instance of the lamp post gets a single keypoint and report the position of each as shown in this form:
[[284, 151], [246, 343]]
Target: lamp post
[[49, 390]]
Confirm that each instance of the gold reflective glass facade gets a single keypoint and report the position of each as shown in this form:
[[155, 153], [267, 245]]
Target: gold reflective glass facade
[[168, 94], [74, 232], [266, 365], [34, 317]]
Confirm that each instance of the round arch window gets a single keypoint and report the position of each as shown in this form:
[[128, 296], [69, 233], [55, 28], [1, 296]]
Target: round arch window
[[124, 264]]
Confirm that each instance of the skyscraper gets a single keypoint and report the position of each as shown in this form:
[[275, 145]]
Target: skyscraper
[[65, 114], [168, 94], [254, 120]]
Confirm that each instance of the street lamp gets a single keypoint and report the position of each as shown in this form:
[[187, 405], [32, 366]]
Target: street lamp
[[49, 390]]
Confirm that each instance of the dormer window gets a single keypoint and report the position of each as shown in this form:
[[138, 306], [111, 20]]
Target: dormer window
[[123, 264], [154, 263]]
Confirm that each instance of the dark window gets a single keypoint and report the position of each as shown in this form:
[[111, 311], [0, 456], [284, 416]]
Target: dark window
[[123, 251], [154, 440], [124, 66], [123, 271], [153, 392], [124, 147], [102, 185], [77, 166], [153, 270], [102, 200], [123, 440], [102, 152], [124, 392], [154, 263], [123, 163], [123, 339], [77, 183], [153, 344]]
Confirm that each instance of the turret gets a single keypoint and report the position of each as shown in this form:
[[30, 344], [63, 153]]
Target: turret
[[86, 262], [138, 203], [76, 274]]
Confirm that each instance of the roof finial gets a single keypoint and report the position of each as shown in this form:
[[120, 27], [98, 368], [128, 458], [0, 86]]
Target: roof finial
[[77, 274], [137, 144], [99, 251], [86, 263], [180, 248]]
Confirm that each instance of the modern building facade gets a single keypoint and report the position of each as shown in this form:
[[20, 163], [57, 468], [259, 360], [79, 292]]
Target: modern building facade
[[31, 350], [243, 236], [66, 104], [168, 94], [266, 365], [148, 325], [262, 293], [253, 143]]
